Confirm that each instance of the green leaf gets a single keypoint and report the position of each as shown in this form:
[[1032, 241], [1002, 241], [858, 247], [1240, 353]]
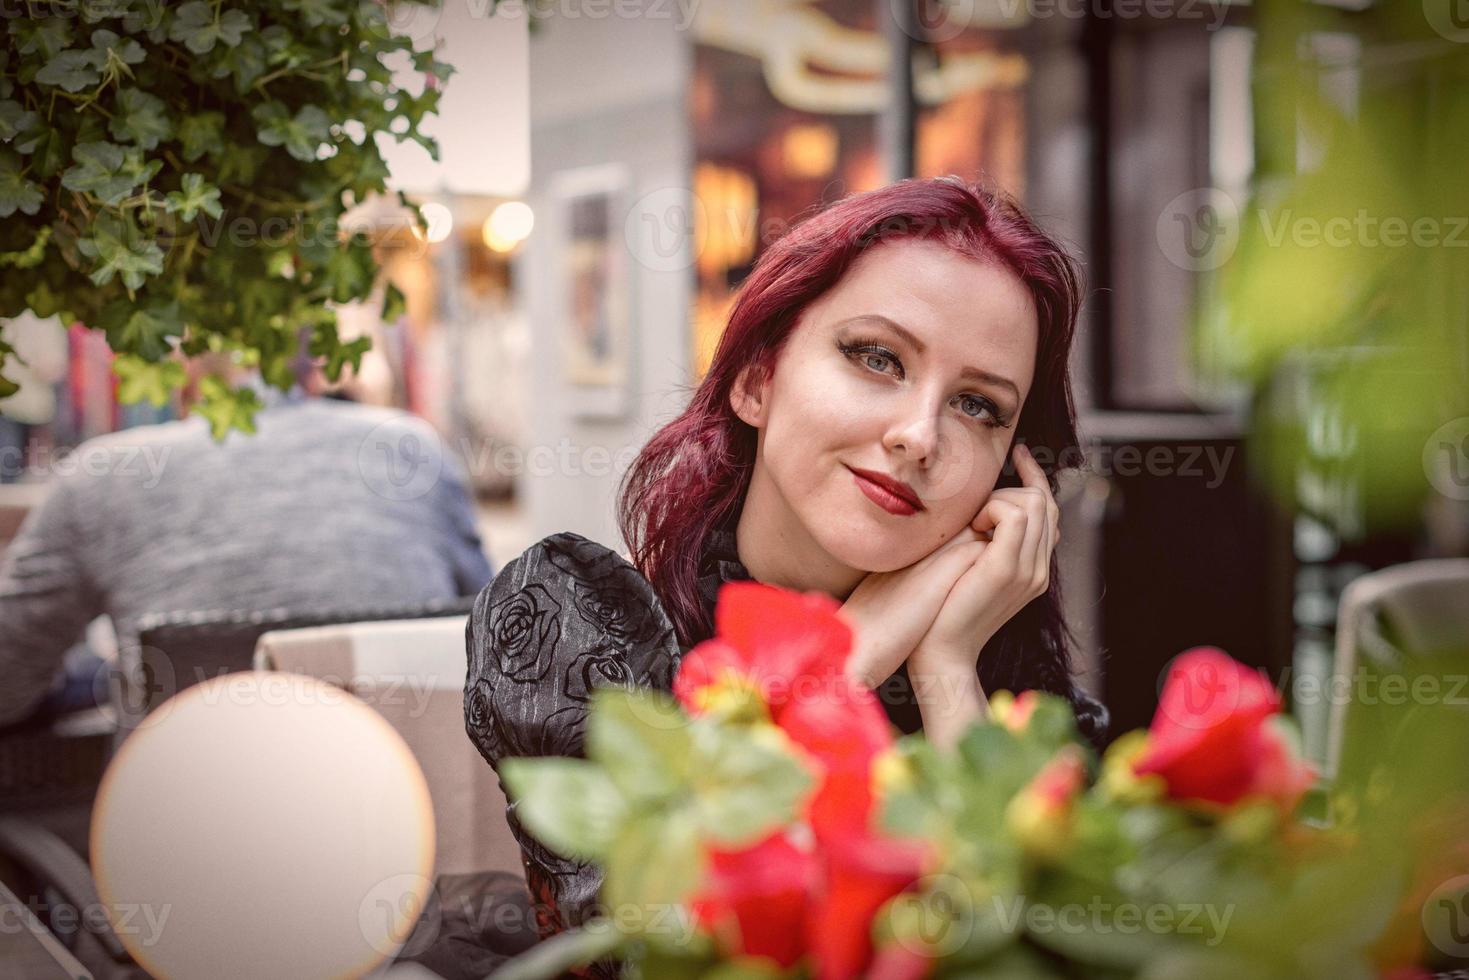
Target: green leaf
[[196, 26], [147, 332], [16, 193], [320, 13], [747, 782], [125, 49], [45, 37], [107, 170], [245, 62], [300, 134], [653, 862], [140, 380], [201, 134], [140, 119], [118, 248], [643, 738], [570, 804], [70, 71], [349, 272], [227, 408], [15, 120], [195, 196]]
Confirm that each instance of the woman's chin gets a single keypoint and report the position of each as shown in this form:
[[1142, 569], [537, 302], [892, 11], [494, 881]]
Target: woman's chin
[[871, 549]]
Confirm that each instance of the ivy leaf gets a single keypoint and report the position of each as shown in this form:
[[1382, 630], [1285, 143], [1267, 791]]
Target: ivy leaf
[[115, 52], [14, 120], [140, 119], [349, 272], [46, 37], [118, 248], [300, 134], [107, 170], [227, 408], [16, 193], [195, 25], [125, 49], [140, 380], [195, 196], [201, 134], [245, 61], [320, 13], [71, 71], [147, 332]]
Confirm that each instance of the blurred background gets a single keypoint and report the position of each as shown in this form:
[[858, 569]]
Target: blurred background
[[1268, 201]]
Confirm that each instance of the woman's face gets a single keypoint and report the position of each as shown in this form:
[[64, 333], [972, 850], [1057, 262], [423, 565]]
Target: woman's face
[[916, 366]]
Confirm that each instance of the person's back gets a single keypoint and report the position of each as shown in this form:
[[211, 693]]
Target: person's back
[[329, 504]]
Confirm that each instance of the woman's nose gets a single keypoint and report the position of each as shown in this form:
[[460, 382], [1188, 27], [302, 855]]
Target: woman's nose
[[916, 436]]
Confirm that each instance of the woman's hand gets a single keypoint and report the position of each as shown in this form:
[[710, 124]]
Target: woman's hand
[[1020, 527], [889, 612]]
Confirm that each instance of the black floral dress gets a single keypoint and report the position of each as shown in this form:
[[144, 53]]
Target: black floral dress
[[565, 617]]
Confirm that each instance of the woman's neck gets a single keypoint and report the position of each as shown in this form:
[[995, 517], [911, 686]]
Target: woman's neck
[[775, 547]]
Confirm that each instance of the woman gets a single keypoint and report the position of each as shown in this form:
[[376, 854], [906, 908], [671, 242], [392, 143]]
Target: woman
[[882, 362]]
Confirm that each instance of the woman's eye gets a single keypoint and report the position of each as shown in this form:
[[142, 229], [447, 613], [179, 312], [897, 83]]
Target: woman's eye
[[878, 362], [873, 358], [979, 408]]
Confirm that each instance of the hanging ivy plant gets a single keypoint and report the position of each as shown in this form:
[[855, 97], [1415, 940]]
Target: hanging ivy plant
[[176, 175]]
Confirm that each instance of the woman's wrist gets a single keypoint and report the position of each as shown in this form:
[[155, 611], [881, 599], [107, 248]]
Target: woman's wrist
[[949, 695]]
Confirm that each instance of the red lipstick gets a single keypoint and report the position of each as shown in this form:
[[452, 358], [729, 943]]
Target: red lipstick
[[893, 496]]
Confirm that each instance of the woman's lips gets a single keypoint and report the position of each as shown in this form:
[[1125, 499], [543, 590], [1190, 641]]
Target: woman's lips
[[885, 499]]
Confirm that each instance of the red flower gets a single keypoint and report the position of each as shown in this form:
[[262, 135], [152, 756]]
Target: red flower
[[754, 899], [844, 729], [781, 643], [1210, 740], [862, 871], [786, 651]]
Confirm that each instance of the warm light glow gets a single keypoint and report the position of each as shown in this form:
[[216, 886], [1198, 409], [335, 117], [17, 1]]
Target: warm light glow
[[810, 150], [440, 221], [508, 225]]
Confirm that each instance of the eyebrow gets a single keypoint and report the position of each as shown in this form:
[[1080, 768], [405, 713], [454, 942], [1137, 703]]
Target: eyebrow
[[911, 338]]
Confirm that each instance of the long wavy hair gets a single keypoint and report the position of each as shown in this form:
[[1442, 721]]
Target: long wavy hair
[[692, 476]]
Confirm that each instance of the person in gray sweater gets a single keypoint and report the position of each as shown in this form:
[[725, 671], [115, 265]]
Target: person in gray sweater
[[330, 504]]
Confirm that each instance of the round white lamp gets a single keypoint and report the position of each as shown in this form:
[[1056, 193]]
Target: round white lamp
[[266, 825]]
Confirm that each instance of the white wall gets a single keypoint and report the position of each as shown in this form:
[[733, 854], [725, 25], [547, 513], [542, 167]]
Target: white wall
[[603, 90]]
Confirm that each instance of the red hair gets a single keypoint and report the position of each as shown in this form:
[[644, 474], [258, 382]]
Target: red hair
[[693, 474]]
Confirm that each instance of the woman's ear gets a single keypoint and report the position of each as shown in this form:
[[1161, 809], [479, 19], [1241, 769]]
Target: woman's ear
[[747, 397]]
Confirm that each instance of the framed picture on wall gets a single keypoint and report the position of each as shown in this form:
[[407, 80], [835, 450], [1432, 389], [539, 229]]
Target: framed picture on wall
[[596, 321]]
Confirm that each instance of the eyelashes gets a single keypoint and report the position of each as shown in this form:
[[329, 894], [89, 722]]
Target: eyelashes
[[860, 350]]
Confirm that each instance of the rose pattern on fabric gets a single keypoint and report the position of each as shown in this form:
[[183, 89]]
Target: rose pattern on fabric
[[525, 627], [597, 668]]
